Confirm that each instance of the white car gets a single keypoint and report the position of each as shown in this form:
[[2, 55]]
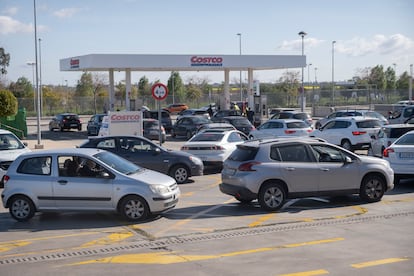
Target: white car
[[351, 113], [279, 127], [351, 133], [386, 136], [214, 146], [10, 148], [57, 180], [400, 155]]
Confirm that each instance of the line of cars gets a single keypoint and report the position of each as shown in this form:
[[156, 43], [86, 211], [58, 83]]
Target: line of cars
[[268, 170]]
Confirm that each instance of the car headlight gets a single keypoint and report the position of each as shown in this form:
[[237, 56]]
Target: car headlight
[[196, 160], [159, 189]]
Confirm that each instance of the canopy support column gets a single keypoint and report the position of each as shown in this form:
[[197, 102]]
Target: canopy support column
[[127, 89], [111, 90]]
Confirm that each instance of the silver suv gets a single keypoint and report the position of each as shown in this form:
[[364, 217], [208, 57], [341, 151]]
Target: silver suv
[[273, 171], [84, 180]]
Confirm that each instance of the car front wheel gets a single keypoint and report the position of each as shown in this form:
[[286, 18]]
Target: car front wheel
[[21, 208], [134, 208], [372, 188], [272, 196], [180, 173], [346, 145]]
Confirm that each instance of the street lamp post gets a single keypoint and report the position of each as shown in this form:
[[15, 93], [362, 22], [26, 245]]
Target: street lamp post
[[309, 65], [172, 86], [395, 81], [240, 51], [302, 92], [40, 79], [39, 135], [410, 89], [333, 73], [31, 63]]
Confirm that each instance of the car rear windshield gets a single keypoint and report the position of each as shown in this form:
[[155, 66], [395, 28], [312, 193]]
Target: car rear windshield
[[398, 132], [369, 124], [297, 125], [243, 153], [207, 137]]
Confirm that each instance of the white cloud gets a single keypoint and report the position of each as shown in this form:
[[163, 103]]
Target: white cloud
[[65, 13], [10, 11], [9, 25], [379, 44], [296, 45]]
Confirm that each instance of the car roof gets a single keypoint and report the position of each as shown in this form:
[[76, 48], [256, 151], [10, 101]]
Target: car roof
[[4, 131], [284, 120], [354, 118], [258, 142], [398, 126], [63, 151]]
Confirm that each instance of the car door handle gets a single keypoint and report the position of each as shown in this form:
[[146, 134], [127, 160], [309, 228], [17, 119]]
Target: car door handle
[[62, 182], [290, 169], [324, 169]]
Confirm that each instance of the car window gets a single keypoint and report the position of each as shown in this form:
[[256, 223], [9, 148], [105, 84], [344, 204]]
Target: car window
[[36, 165], [408, 112], [203, 136], [9, 142], [135, 145], [243, 153], [325, 153], [236, 137], [406, 140], [398, 132], [293, 153], [368, 124], [106, 144], [297, 125]]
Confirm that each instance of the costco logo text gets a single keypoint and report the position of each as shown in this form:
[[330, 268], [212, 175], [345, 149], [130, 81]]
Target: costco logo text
[[206, 61]]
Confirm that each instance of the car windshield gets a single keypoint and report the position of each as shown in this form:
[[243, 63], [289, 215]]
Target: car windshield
[[203, 136], [201, 120], [9, 142], [243, 153], [407, 139], [118, 163]]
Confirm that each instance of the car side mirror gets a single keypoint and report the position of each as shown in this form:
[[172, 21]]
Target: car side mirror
[[347, 160], [105, 175]]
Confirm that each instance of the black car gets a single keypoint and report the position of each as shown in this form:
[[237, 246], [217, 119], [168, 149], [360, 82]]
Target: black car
[[65, 121], [240, 123], [165, 118], [141, 151], [193, 112], [94, 124], [187, 126], [225, 113]]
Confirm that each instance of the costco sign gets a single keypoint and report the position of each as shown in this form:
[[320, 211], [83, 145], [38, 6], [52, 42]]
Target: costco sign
[[206, 61]]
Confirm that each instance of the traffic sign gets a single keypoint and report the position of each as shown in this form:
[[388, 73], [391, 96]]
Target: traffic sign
[[159, 91]]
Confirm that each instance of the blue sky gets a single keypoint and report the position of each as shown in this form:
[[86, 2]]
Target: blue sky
[[367, 33]]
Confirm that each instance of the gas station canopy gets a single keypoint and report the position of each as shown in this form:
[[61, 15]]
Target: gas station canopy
[[140, 62]]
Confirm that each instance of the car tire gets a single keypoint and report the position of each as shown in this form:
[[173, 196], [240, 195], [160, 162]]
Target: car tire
[[396, 180], [172, 133], [50, 128], [317, 125], [243, 200], [346, 144], [370, 152], [189, 135], [21, 208], [272, 196], [180, 173], [79, 128], [134, 208], [372, 188]]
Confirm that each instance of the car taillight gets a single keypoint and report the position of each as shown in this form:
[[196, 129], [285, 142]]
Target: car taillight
[[386, 152], [5, 179], [247, 167], [217, 148], [356, 133], [309, 130], [287, 131]]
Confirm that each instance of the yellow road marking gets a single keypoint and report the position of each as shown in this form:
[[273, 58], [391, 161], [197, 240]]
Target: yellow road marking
[[379, 262], [261, 220], [112, 238], [307, 273], [174, 257], [50, 237], [360, 211], [12, 245]]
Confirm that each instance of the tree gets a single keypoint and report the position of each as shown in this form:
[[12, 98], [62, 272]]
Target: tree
[[4, 61], [144, 89], [22, 88], [377, 77], [51, 99], [289, 84], [8, 103], [193, 92], [85, 87], [175, 86]]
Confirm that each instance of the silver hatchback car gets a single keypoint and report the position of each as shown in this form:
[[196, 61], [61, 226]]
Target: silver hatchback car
[[84, 180], [273, 171]]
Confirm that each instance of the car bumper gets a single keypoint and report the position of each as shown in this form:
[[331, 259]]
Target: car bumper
[[161, 204], [197, 170], [237, 191]]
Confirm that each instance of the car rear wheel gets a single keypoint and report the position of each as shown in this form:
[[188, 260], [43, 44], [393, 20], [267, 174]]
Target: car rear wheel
[[189, 135], [180, 173], [272, 196], [172, 133], [21, 208], [346, 145], [134, 208], [372, 188]]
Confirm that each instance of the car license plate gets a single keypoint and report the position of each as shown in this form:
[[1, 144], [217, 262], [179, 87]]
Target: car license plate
[[406, 155], [153, 132], [73, 125]]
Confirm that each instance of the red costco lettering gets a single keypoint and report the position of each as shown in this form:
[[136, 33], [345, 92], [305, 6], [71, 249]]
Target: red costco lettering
[[206, 60], [116, 117]]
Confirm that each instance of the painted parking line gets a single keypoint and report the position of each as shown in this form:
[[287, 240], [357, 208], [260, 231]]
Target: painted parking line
[[307, 273], [176, 257], [379, 262]]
